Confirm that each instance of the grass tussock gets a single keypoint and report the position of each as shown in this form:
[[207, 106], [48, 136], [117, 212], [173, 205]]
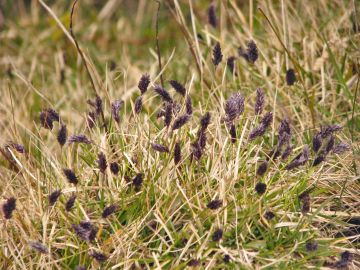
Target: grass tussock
[[179, 134]]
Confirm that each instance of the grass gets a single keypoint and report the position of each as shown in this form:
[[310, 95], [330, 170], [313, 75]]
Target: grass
[[165, 223]]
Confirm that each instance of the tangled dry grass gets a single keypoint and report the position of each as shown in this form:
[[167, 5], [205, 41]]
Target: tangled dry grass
[[179, 134]]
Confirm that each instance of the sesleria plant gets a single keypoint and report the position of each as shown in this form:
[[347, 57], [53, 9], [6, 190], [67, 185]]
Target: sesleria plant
[[189, 134]]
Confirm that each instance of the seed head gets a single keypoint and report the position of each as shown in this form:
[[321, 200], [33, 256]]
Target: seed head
[[231, 63], [217, 235], [205, 121], [252, 51], [194, 263], [328, 130], [144, 83], [180, 121], [100, 257], [80, 138], [18, 147], [311, 246], [47, 117], [115, 109], [290, 76], [178, 87], [91, 119], [330, 144], [317, 142], [70, 203], [188, 105], [232, 132], [226, 258], [53, 197], [168, 114], [109, 210], [85, 231], [318, 160], [177, 153], [62, 135], [214, 204], [269, 215], [341, 148], [212, 16], [264, 124], [163, 93], [160, 148], [260, 101], [102, 163], [260, 188], [217, 55], [137, 181], [234, 107], [114, 168], [305, 202], [138, 104], [9, 207], [262, 168], [38, 247], [287, 152], [70, 175], [300, 159]]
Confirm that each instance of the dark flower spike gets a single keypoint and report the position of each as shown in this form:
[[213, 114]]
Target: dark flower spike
[[53, 197], [144, 83], [18, 147], [328, 130], [311, 246], [9, 207], [180, 121], [267, 120], [102, 163], [160, 148], [269, 215], [168, 114], [260, 188], [163, 93], [330, 144], [70, 203], [341, 148], [80, 138], [231, 63], [260, 101], [264, 124], [318, 160], [138, 104], [98, 105], [109, 210], [188, 105], [234, 107], [252, 51], [232, 132], [62, 135], [137, 181], [99, 256], [299, 160], [217, 55], [212, 16], [305, 202], [262, 168], [47, 117], [91, 119], [70, 176], [38, 247], [194, 263], [217, 235], [205, 121], [114, 168], [226, 258], [290, 76], [287, 152], [177, 153], [85, 231], [214, 204], [178, 87], [115, 109], [317, 142]]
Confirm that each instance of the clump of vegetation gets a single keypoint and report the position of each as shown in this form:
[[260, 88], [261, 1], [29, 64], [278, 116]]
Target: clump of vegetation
[[220, 135]]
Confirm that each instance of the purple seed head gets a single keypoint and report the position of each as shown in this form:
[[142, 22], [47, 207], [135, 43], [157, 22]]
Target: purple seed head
[[163, 93], [262, 168], [47, 117], [85, 231], [54, 196], [114, 168], [330, 144], [188, 105], [9, 207], [328, 130], [205, 121], [212, 16], [214, 204], [193, 263], [180, 121], [144, 83], [137, 181], [317, 142], [234, 107], [252, 51], [260, 188], [160, 148], [109, 210], [178, 87], [91, 119], [99, 256], [341, 148], [318, 160], [70, 203], [177, 153], [62, 135], [290, 76], [231, 63], [168, 114], [38, 247], [80, 138], [260, 101], [115, 109], [70, 176], [102, 163], [217, 55], [232, 132], [138, 104], [217, 235], [311, 246], [269, 215]]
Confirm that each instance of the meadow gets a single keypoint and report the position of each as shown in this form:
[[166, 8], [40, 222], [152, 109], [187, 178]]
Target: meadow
[[179, 134]]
